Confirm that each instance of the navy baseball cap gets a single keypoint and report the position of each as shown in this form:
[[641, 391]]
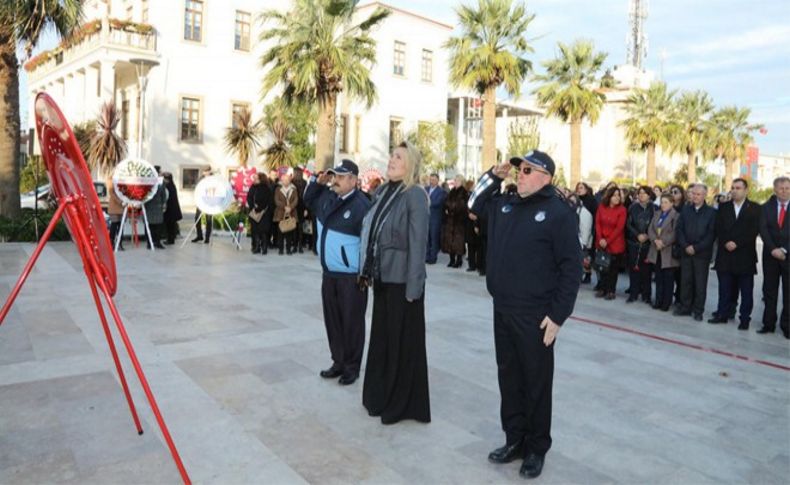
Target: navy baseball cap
[[537, 158], [345, 167]]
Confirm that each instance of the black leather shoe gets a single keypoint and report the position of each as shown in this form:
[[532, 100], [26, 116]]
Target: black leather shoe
[[766, 330], [348, 378], [698, 317], [532, 466], [681, 313], [630, 300], [717, 320], [197, 239], [331, 373], [743, 326], [507, 453]]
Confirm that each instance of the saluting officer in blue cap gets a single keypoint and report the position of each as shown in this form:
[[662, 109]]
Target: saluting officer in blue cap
[[534, 271]]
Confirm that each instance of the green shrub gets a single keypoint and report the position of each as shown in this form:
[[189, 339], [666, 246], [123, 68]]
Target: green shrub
[[23, 229]]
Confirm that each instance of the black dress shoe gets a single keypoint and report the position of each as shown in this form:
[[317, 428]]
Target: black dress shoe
[[532, 466], [681, 313], [630, 300], [717, 320], [507, 453], [698, 317], [348, 378], [197, 239], [331, 373], [470, 269], [743, 326], [766, 330]]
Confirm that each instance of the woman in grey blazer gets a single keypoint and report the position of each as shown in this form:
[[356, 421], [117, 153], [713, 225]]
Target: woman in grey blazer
[[661, 233], [392, 259]]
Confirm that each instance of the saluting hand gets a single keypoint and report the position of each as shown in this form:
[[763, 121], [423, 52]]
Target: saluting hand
[[502, 170], [551, 330]]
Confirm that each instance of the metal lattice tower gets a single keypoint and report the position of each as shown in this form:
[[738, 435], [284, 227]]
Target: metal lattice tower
[[636, 39]]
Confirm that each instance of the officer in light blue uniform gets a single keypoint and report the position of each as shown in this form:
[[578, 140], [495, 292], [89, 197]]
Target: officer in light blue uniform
[[339, 212]]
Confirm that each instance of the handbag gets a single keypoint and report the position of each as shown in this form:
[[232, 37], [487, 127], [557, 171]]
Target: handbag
[[257, 215], [307, 227], [602, 261], [288, 224]]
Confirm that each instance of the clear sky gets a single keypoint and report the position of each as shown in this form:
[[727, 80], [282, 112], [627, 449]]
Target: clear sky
[[736, 50]]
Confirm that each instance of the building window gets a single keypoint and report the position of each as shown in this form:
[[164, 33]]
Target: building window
[[193, 20], [129, 13], [144, 12], [399, 59], [343, 129], [189, 178], [427, 65], [190, 119], [396, 133], [236, 109], [241, 41]]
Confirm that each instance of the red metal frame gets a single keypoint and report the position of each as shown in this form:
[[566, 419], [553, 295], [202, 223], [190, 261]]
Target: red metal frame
[[91, 267]]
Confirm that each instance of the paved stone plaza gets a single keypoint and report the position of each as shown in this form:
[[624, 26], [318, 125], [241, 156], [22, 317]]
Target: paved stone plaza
[[232, 344]]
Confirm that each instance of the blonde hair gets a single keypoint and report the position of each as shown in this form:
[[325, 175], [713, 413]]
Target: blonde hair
[[413, 164]]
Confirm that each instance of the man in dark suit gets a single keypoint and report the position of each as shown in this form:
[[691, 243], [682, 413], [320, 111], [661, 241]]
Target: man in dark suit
[[775, 233], [437, 195], [737, 226], [695, 235]]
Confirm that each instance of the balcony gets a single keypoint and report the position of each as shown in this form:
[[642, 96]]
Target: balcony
[[122, 37]]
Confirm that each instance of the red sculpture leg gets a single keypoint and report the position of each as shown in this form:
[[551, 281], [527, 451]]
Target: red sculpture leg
[[32, 261], [113, 351], [128, 344]]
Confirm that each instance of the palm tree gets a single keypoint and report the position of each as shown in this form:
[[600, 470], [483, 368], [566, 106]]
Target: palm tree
[[490, 52], [106, 148], [731, 133], [318, 53], [279, 153], [570, 92], [243, 138], [649, 121], [22, 22], [692, 110]]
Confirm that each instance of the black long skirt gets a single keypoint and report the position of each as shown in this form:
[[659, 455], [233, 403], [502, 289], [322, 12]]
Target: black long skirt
[[396, 375]]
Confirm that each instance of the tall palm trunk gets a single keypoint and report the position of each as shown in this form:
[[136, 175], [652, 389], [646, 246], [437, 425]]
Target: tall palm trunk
[[325, 134], [576, 152], [692, 166], [489, 128], [729, 169], [9, 131], [651, 165]]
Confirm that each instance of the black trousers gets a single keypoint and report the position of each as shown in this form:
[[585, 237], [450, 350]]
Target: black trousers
[[481, 254], [609, 277], [396, 374], [115, 227], [526, 373], [694, 283], [639, 273], [774, 272], [665, 284], [199, 226], [171, 231], [287, 240], [472, 253], [730, 285], [344, 317], [260, 235]]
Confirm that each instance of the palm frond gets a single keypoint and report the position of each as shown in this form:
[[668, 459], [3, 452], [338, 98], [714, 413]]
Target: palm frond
[[107, 148]]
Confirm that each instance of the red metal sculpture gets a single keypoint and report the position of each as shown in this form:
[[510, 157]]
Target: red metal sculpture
[[79, 205]]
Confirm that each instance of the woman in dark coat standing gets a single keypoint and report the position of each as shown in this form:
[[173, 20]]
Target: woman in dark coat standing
[[172, 209], [392, 258], [456, 217], [260, 198]]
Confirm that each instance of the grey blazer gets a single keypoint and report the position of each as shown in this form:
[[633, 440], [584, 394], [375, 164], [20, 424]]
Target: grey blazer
[[667, 237], [402, 242]]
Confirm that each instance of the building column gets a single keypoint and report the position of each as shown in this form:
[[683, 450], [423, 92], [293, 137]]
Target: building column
[[106, 81]]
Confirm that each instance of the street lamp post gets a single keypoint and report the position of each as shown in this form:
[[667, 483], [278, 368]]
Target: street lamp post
[[142, 67]]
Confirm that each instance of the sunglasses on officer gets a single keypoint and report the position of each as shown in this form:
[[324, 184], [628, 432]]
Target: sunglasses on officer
[[528, 169]]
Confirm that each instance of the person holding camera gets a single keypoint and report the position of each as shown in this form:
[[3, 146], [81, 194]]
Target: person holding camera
[[339, 209]]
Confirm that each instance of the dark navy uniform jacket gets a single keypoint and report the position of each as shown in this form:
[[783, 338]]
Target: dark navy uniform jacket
[[534, 257], [339, 223]]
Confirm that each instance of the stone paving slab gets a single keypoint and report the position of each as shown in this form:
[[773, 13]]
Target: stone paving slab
[[232, 344]]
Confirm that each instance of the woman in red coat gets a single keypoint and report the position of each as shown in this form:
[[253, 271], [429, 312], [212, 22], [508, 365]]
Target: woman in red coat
[[610, 234]]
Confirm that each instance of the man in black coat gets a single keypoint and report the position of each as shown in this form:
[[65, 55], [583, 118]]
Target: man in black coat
[[172, 209], [775, 233], [534, 273], [436, 195], [737, 226], [696, 231]]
